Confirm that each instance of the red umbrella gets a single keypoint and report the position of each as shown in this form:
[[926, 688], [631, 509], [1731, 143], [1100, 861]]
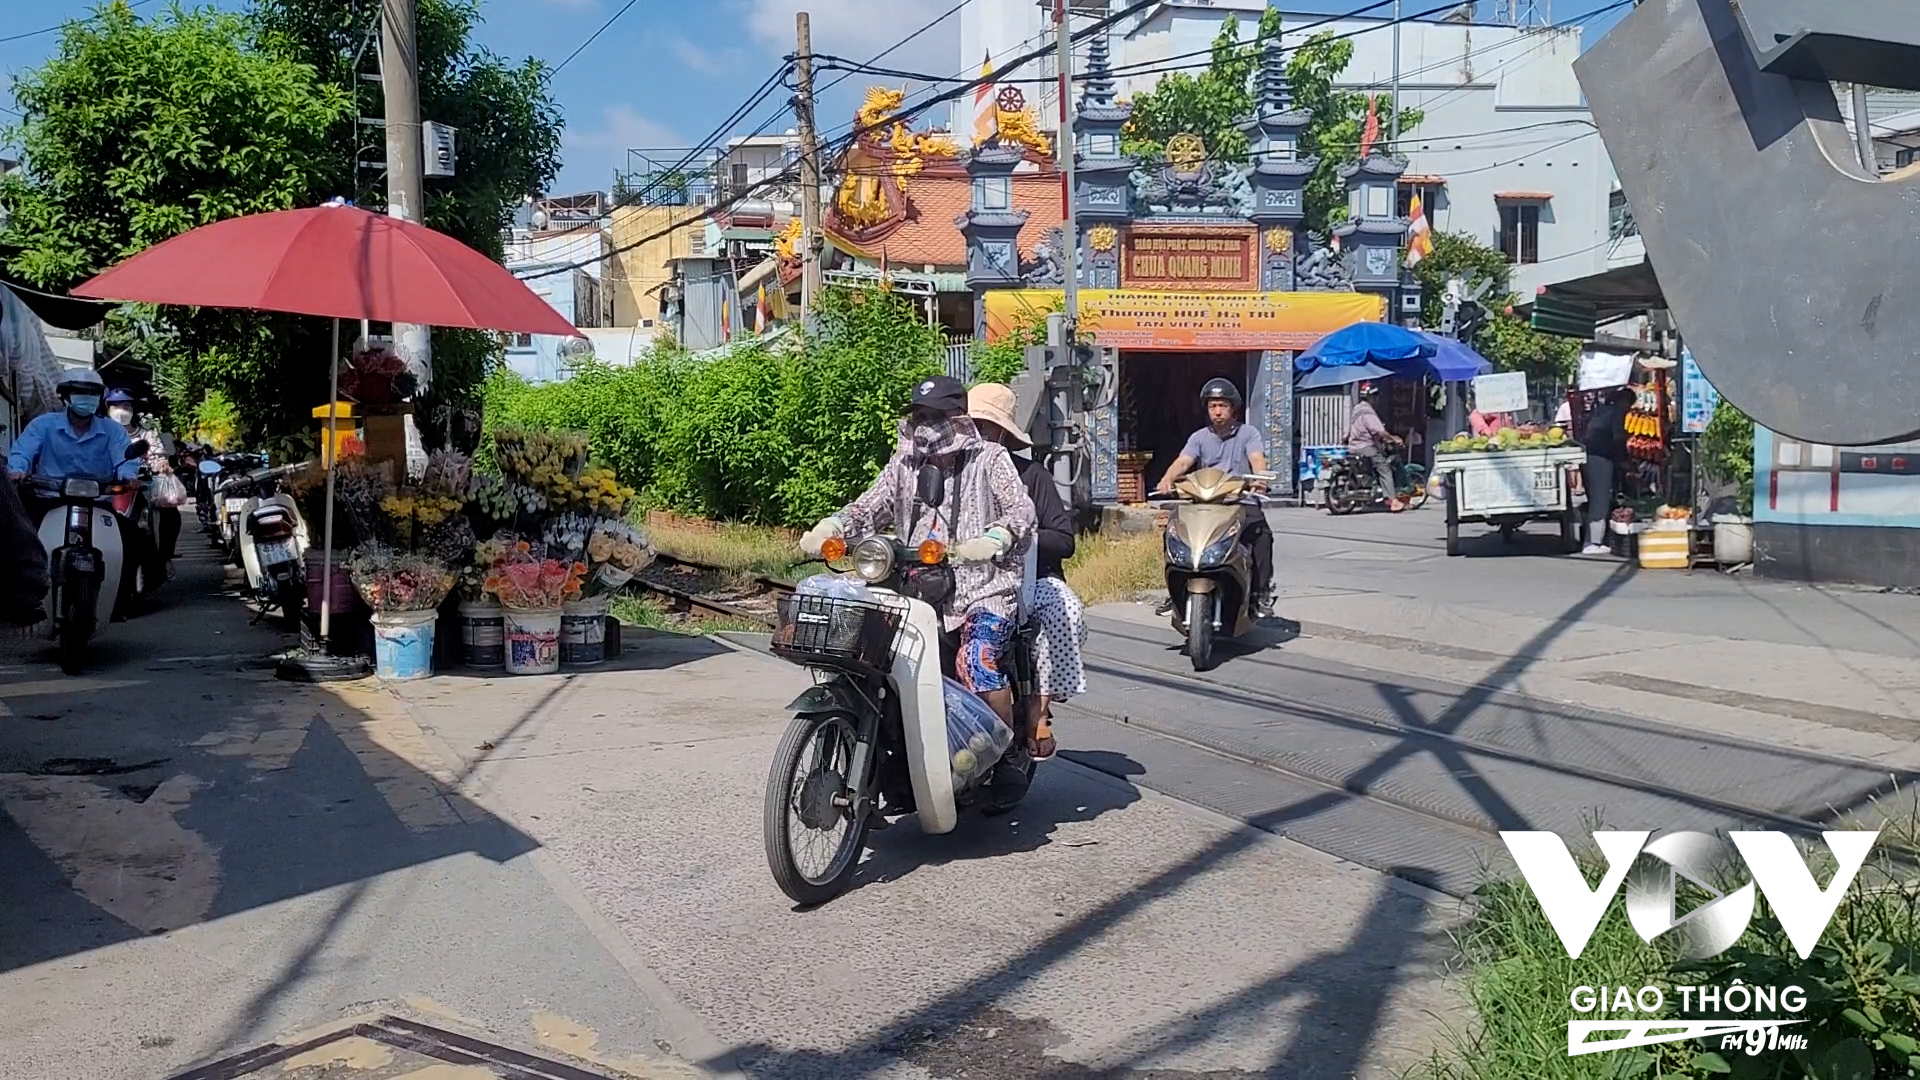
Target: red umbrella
[[334, 260], [337, 261]]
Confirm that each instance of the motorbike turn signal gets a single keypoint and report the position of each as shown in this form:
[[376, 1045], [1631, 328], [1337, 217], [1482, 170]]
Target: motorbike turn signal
[[833, 550], [931, 552]]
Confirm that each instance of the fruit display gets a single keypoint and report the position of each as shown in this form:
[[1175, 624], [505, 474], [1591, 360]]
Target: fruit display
[[1530, 437]]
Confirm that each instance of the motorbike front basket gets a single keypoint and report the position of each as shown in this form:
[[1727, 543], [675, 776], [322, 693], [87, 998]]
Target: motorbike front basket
[[855, 636]]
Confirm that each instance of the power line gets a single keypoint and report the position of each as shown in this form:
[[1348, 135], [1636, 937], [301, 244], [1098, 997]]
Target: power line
[[61, 26], [889, 50], [713, 137], [590, 38]]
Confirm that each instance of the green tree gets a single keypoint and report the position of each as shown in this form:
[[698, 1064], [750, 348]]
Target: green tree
[[1508, 341], [1214, 103], [138, 130]]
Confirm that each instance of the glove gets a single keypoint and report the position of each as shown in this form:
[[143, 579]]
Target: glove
[[983, 548], [816, 538]]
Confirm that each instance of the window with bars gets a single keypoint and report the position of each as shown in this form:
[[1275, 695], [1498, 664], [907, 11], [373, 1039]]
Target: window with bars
[[1520, 232], [1620, 223]]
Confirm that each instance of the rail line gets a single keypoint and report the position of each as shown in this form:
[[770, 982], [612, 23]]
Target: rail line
[[690, 600]]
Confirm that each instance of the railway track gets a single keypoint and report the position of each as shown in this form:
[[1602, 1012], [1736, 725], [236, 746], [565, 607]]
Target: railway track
[[683, 598]]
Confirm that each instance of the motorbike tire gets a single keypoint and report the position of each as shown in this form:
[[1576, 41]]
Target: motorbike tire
[[1200, 630], [1417, 498], [77, 629], [1340, 499], [790, 762]]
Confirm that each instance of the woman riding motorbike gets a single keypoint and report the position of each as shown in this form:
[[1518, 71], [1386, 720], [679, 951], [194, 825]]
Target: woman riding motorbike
[[120, 407], [986, 521], [1052, 605]]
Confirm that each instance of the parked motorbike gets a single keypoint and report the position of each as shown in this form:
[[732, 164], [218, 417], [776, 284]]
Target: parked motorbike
[[272, 543], [1209, 571], [1352, 484], [86, 555], [869, 741], [218, 510]]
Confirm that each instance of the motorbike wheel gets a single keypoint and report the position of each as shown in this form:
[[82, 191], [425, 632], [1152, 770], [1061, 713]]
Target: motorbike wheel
[[1417, 496], [1340, 498], [77, 627], [1200, 630], [809, 772]]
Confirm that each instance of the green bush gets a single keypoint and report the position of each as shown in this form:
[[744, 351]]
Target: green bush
[[771, 436], [1727, 446]]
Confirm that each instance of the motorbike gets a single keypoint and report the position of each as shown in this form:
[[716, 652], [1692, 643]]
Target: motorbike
[[86, 555], [1209, 571], [1351, 484], [219, 511], [272, 543], [869, 740]]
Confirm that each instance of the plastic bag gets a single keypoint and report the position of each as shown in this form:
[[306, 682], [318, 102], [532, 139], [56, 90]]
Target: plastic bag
[[976, 738], [168, 492], [838, 586]]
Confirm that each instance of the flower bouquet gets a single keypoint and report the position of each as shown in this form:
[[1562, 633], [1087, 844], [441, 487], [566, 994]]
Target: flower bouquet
[[523, 581], [390, 580], [376, 376], [479, 565], [616, 550]]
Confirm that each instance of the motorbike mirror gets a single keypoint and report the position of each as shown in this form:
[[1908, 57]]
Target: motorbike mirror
[[933, 485], [209, 468], [138, 449]]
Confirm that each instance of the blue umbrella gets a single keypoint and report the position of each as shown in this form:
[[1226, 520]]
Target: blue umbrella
[[1343, 375], [1454, 361], [1361, 343]]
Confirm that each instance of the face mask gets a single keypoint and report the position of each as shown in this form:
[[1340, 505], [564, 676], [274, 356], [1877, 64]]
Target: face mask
[[121, 416], [83, 404]]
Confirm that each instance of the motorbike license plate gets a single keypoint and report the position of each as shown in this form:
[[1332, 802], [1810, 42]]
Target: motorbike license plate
[[273, 552], [234, 506]]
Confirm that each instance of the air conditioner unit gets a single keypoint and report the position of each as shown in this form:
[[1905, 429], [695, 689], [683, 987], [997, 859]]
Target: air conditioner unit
[[436, 150]]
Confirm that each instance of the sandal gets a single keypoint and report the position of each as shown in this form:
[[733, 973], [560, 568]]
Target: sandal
[[1044, 744]]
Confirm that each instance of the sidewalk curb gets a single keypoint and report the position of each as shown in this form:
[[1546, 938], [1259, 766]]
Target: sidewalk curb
[[692, 1041]]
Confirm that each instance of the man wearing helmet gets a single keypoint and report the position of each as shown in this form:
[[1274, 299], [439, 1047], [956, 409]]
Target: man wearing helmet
[[1235, 448], [1369, 442], [78, 441]]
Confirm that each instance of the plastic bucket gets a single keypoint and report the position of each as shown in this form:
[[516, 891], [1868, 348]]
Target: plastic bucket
[[583, 632], [403, 644], [533, 641], [1732, 540], [483, 634]]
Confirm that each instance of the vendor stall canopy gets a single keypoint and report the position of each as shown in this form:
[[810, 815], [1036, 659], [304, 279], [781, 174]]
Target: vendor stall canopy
[[1394, 350]]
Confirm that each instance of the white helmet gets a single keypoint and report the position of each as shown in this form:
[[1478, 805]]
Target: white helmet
[[82, 381]]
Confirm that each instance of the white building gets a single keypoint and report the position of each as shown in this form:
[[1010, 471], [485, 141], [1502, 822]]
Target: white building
[[757, 160], [1507, 150]]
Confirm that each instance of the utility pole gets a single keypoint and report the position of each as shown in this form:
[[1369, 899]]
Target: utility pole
[[406, 188], [809, 168], [1393, 138], [1064, 145]]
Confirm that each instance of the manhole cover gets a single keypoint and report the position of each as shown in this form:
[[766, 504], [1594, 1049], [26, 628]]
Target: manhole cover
[[391, 1048]]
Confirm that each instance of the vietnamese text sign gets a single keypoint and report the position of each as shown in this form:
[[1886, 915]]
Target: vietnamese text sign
[[1505, 392], [1136, 319], [1209, 260]]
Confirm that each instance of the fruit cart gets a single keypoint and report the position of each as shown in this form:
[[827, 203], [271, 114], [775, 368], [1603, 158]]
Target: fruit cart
[[1509, 480]]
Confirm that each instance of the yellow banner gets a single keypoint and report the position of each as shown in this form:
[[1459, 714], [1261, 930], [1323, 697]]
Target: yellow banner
[[1194, 321]]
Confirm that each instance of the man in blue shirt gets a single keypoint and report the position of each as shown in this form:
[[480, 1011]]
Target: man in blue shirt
[[80, 442], [1236, 449], [77, 442]]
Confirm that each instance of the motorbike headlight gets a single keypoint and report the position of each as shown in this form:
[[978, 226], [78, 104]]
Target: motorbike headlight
[[1218, 551], [80, 488], [873, 559], [1177, 549]]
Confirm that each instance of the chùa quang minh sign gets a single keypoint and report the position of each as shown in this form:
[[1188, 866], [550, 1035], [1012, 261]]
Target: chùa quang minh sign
[[1195, 259], [1746, 1018]]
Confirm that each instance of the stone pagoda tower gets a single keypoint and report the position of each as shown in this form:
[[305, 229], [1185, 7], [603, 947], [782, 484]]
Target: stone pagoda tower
[[1103, 191], [1280, 171]]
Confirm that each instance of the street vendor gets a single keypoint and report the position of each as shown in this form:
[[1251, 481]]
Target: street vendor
[[1488, 423]]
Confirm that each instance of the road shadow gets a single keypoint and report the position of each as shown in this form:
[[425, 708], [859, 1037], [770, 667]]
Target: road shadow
[[160, 791], [1059, 796]]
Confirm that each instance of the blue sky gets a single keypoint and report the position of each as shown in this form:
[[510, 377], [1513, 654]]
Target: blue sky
[[667, 71]]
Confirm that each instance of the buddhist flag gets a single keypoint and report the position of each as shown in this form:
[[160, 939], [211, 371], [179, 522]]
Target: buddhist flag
[[1420, 235], [1371, 134], [726, 319], [764, 313], [986, 104], [885, 281]]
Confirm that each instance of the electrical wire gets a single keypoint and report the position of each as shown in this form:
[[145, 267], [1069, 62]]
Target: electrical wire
[[713, 137], [891, 49], [590, 38], [61, 26]]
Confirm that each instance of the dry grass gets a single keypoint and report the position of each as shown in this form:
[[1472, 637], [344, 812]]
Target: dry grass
[[1109, 568], [747, 550], [1106, 568]]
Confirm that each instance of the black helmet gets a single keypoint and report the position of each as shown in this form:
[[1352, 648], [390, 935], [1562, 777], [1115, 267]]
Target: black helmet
[[1220, 390]]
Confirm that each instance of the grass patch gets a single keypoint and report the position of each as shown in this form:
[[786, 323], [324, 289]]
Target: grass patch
[[647, 611], [1109, 568], [745, 550], [1862, 986]]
